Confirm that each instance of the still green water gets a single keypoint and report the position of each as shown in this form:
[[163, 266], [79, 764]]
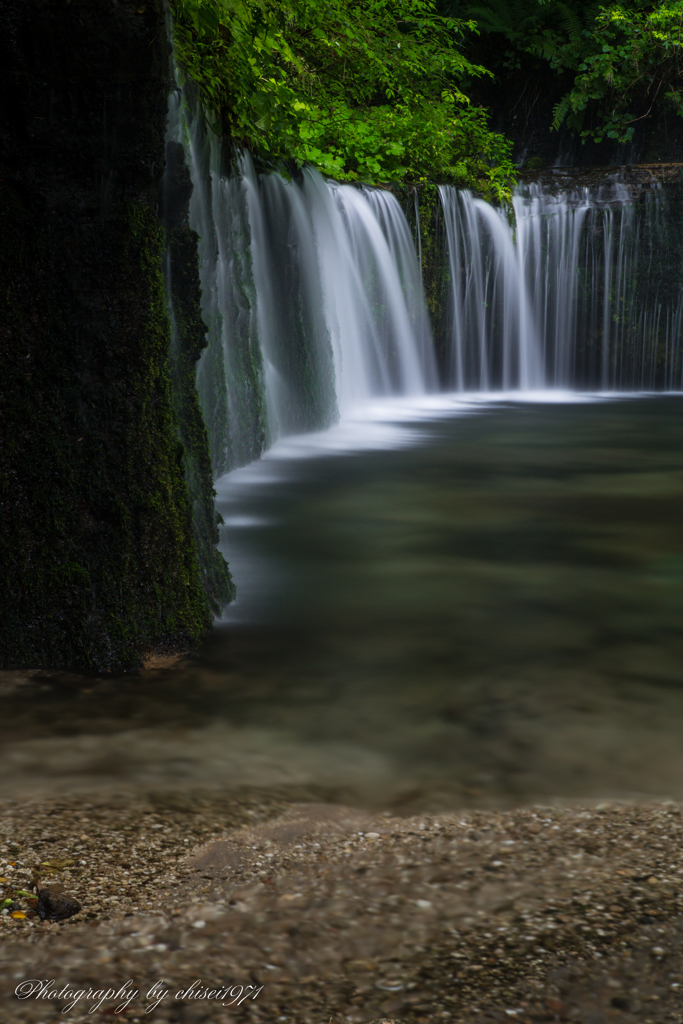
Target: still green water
[[488, 615]]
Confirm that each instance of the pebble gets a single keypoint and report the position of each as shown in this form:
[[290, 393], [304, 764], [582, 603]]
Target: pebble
[[551, 933]]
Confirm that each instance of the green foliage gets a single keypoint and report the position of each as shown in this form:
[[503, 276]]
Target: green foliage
[[364, 90], [620, 60], [630, 60], [521, 21]]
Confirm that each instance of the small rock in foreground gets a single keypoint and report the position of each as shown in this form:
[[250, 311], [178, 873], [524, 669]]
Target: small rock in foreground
[[54, 906]]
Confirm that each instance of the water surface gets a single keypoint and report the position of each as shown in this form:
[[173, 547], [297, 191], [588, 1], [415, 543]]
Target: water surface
[[485, 610]]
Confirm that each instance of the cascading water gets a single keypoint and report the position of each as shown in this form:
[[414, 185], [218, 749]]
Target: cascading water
[[494, 339], [313, 298], [584, 291], [230, 372], [358, 285], [311, 293]]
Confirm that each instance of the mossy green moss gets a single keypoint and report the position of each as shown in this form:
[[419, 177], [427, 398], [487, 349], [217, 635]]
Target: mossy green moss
[[188, 341], [100, 552], [98, 549]]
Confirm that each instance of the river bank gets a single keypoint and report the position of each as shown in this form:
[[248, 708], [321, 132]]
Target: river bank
[[541, 913]]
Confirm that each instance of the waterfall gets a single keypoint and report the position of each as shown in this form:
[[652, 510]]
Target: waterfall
[[230, 373], [582, 289], [348, 257], [313, 300], [495, 340], [311, 293]]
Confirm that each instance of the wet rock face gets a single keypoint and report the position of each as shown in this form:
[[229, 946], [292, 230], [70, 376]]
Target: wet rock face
[[99, 559], [606, 183]]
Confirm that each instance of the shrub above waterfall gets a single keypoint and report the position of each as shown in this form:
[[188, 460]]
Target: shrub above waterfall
[[631, 60], [367, 90], [615, 66]]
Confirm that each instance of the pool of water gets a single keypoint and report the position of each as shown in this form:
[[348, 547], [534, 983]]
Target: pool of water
[[465, 603]]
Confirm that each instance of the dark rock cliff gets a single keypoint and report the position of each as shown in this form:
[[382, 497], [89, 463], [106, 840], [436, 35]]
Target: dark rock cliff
[[108, 532]]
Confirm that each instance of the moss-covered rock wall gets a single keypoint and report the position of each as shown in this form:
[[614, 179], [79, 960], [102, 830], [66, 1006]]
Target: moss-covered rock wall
[[99, 554], [422, 207], [188, 339]]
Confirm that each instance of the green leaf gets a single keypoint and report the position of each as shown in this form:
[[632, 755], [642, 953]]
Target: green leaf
[[300, 81]]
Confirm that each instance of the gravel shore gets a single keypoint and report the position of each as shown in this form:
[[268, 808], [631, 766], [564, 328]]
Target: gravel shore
[[333, 914]]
